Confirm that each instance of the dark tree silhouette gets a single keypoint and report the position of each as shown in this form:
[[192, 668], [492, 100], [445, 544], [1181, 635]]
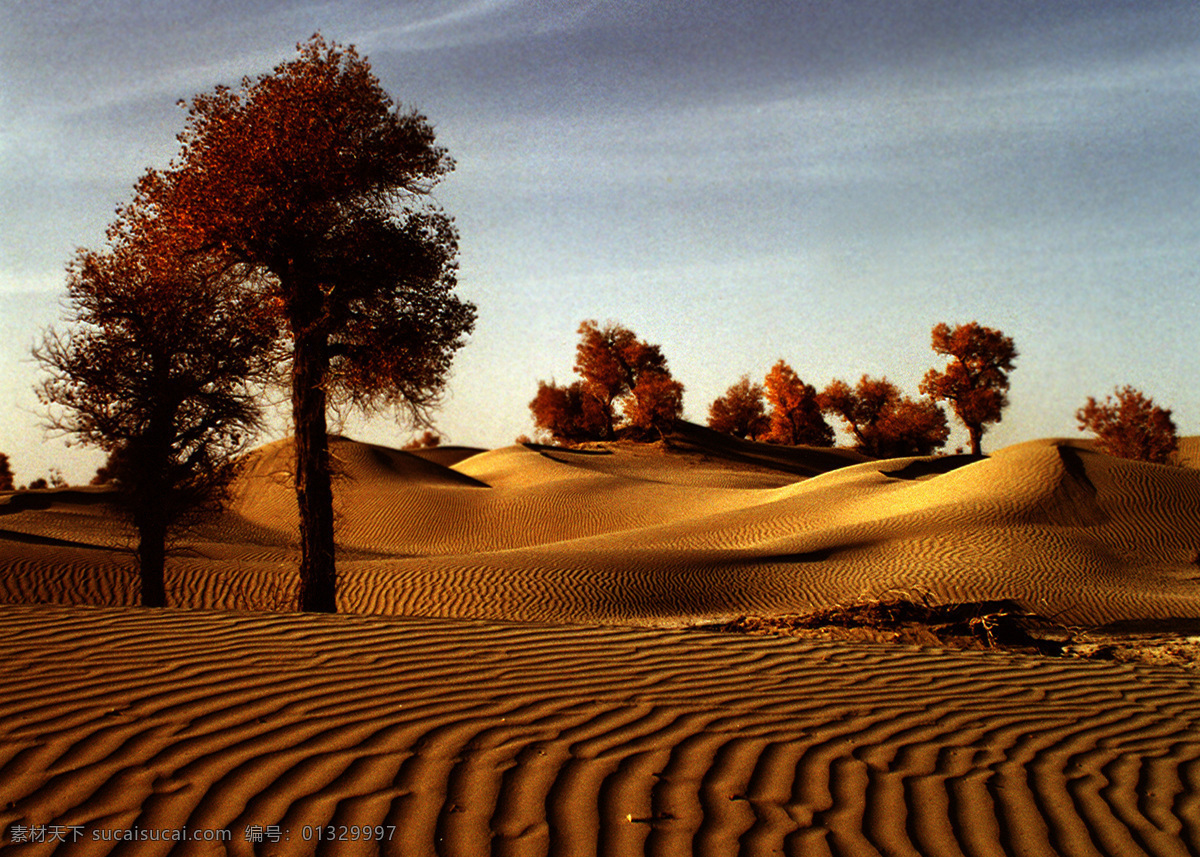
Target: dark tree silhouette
[[312, 174], [157, 368], [975, 381], [884, 423], [429, 439], [740, 411], [6, 474], [796, 417], [616, 369], [106, 473], [1130, 426]]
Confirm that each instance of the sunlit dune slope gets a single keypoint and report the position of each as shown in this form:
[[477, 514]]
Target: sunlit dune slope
[[700, 527]]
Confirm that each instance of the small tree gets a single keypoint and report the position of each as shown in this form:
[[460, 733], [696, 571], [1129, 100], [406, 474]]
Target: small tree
[[884, 423], [975, 381], [1130, 426], [156, 368], [105, 473], [6, 474], [740, 411], [313, 175], [616, 369], [428, 440], [796, 417]]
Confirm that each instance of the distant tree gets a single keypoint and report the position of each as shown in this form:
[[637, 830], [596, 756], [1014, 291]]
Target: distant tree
[[615, 369], [39, 484], [106, 473], [313, 175], [740, 411], [57, 480], [1130, 426], [157, 368], [428, 440], [975, 381], [611, 360], [6, 474], [914, 427], [567, 414], [884, 423], [795, 417]]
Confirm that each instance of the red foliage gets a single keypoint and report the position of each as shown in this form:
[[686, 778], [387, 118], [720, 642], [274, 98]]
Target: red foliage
[[795, 410], [975, 381], [654, 403], [313, 175], [615, 368], [568, 414], [1130, 426], [740, 411], [884, 423]]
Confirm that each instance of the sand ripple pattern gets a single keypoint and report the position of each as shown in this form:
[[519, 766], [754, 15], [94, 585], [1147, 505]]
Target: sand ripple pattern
[[640, 535], [473, 738]]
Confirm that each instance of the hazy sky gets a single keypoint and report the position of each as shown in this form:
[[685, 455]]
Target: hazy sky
[[738, 182]]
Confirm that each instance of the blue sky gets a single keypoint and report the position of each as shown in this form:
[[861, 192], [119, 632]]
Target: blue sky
[[814, 181]]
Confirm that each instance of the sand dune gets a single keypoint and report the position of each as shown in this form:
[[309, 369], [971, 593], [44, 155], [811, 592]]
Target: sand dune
[[602, 721], [705, 530]]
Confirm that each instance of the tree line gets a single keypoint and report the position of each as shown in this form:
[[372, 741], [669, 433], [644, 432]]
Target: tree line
[[625, 390]]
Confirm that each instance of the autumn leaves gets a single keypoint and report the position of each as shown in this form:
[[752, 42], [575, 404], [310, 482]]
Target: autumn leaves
[[615, 368]]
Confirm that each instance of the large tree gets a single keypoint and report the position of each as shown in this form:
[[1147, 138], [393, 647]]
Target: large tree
[[6, 474], [1130, 426], [975, 381], [884, 423], [312, 174], [158, 367]]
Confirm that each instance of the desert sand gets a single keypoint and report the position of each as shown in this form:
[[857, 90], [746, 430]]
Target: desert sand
[[527, 660]]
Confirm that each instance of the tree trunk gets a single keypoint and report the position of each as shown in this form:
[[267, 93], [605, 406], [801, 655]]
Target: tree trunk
[[976, 439], [152, 559], [314, 490], [150, 500]]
